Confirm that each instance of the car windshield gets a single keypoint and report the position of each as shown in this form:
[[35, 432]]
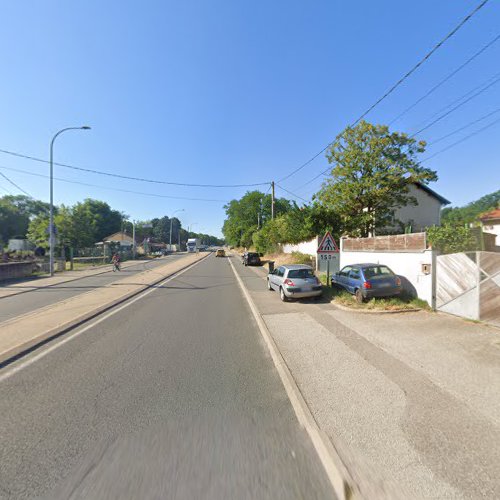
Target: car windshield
[[300, 273], [376, 271]]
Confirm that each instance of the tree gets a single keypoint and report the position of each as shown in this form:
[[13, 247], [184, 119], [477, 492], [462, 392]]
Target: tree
[[471, 212], [450, 238], [246, 215], [372, 170], [94, 220], [63, 221], [16, 213]]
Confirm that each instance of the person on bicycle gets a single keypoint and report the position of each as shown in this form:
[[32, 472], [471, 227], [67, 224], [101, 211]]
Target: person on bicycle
[[116, 262]]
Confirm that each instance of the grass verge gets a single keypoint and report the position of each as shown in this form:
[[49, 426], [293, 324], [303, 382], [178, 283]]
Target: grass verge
[[401, 303]]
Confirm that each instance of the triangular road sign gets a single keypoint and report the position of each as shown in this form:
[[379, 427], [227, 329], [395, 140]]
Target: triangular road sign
[[328, 244]]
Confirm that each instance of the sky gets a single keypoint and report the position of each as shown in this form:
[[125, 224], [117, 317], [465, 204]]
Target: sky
[[231, 92]]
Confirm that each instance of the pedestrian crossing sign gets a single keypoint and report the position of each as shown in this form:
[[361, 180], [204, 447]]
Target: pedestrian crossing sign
[[328, 244]]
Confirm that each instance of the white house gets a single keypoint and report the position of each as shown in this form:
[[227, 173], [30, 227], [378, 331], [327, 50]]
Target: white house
[[122, 238], [426, 213], [491, 224]]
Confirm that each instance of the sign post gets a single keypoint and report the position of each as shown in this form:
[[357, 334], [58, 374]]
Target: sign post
[[328, 256]]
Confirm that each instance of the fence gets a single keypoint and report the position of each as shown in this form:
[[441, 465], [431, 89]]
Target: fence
[[468, 285]]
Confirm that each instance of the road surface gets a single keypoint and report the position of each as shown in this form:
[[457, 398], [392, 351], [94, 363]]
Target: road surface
[[175, 396], [15, 305]]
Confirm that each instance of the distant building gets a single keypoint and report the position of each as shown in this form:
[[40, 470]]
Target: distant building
[[426, 213], [490, 223], [122, 238]]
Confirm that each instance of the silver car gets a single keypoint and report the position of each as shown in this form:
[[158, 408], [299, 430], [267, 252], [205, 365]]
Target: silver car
[[294, 282]]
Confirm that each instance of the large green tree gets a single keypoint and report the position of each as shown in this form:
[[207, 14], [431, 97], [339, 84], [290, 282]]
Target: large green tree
[[372, 169], [93, 220], [246, 215], [16, 212], [63, 221]]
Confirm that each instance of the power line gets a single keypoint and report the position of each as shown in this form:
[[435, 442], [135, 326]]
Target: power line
[[439, 118], [293, 194], [110, 174], [444, 80], [458, 99], [397, 84], [6, 190], [462, 140], [465, 126], [15, 185], [109, 188]]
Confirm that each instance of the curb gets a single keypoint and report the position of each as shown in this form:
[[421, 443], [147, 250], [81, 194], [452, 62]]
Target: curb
[[331, 462], [19, 351], [348, 482]]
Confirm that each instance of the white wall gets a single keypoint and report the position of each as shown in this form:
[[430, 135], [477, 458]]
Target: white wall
[[405, 264], [426, 213], [494, 228], [307, 247]]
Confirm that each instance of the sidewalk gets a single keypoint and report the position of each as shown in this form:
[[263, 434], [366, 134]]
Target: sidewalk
[[27, 285], [415, 395], [23, 332]]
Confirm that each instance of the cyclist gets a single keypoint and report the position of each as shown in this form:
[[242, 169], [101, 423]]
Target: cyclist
[[115, 260]]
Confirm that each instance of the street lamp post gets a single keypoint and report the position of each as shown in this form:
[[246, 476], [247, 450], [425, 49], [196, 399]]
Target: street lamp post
[[51, 217], [171, 220]]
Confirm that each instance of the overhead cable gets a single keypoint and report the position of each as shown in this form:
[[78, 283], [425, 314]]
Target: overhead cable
[[444, 80], [110, 174], [110, 188], [15, 185], [397, 84]]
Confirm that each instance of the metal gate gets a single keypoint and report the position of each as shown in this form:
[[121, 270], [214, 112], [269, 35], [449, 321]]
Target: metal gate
[[468, 285]]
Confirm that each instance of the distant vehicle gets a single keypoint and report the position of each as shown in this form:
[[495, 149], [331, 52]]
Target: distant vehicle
[[365, 281], [193, 244], [220, 252], [251, 258], [294, 282]]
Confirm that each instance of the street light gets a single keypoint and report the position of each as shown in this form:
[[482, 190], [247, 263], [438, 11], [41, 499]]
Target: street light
[[171, 220], [51, 220]]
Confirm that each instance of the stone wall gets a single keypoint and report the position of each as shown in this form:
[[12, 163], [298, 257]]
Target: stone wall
[[11, 270]]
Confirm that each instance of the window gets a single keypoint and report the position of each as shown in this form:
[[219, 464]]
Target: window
[[354, 274], [281, 271], [300, 273], [345, 271], [374, 271]]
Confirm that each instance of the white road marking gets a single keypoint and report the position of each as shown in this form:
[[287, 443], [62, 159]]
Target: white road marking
[[70, 336]]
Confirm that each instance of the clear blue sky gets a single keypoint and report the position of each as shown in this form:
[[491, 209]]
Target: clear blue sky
[[226, 91]]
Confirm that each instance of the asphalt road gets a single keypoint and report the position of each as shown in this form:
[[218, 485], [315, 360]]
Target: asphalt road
[[15, 305], [175, 396]]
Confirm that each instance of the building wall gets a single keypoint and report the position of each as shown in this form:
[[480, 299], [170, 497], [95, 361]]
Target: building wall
[[493, 227], [426, 213]]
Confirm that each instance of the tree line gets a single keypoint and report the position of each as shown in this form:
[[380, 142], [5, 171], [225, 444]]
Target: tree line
[[83, 224]]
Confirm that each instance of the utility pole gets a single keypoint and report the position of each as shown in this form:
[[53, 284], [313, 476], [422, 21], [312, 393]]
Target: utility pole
[[272, 200]]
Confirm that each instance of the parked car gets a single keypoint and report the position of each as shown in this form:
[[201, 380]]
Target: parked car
[[366, 281], [294, 282], [251, 259], [220, 252]]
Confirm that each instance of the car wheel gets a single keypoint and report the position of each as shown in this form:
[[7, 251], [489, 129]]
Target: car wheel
[[269, 286], [359, 296], [283, 297]]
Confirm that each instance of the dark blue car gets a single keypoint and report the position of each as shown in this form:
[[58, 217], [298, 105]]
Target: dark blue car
[[366, 281]]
